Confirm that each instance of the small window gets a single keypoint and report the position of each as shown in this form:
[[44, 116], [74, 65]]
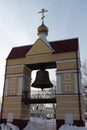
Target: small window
[[12, 90], [66, 76], [13, 80], [68, 87]]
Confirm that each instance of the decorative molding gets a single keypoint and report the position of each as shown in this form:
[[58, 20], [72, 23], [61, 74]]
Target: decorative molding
[[66, 71], [14, 75], [17, 75], [18, 66], [67, 76], [70, 82], [12, 90], [67, 87], [62, 61], [15, 66], [13, 80]]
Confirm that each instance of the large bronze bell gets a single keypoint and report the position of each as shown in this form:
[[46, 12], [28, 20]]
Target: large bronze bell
[[42, 80]]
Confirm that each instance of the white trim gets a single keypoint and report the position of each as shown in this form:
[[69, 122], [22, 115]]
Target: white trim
[[13, 96], [12, 102], [15, 66], [64, 71], [76, 83], [17, 75], [18, 66], [20, 86], [80, 86], [17, 108], [6, 87], [13, 75], [58, 86], [62, 61]]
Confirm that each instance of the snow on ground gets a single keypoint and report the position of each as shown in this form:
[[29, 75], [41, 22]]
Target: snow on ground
[[41, 124], [8, 126], [67, 127], [44, 124]]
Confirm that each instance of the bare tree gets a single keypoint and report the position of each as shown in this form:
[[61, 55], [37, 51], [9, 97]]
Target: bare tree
[[84, 73], [84, 86]]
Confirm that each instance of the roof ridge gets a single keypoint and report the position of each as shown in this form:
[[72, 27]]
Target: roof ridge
[[63, 40]]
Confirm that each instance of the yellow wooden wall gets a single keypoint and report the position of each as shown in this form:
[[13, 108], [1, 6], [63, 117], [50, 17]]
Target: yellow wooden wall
[[17, 80]]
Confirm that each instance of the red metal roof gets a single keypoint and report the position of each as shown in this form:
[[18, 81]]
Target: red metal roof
[[19, 52], [58, 46], [65, 45]]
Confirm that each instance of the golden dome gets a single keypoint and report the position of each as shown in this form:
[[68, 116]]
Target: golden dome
[[42, 28]]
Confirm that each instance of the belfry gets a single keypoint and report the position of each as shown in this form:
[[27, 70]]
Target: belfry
[[62, 55]]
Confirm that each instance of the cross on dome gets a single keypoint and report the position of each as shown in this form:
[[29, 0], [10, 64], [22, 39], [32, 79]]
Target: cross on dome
[[43, 11], [42, 28]]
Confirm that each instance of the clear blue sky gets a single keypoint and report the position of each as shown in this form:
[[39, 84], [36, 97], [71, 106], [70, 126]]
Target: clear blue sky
[[19, 20]]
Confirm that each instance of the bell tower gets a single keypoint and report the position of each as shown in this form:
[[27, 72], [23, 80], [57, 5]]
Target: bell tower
[[62, 55]]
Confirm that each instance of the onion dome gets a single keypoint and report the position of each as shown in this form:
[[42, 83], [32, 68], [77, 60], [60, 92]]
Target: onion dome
[[42, 29]]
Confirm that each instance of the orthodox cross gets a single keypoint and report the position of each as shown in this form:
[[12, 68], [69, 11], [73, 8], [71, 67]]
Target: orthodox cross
[[43, 11]]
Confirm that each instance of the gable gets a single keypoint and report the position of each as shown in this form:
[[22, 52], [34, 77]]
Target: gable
[[39, 48], [68, 45]]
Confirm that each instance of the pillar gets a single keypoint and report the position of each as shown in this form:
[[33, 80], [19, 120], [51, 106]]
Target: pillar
[[17, 80]]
